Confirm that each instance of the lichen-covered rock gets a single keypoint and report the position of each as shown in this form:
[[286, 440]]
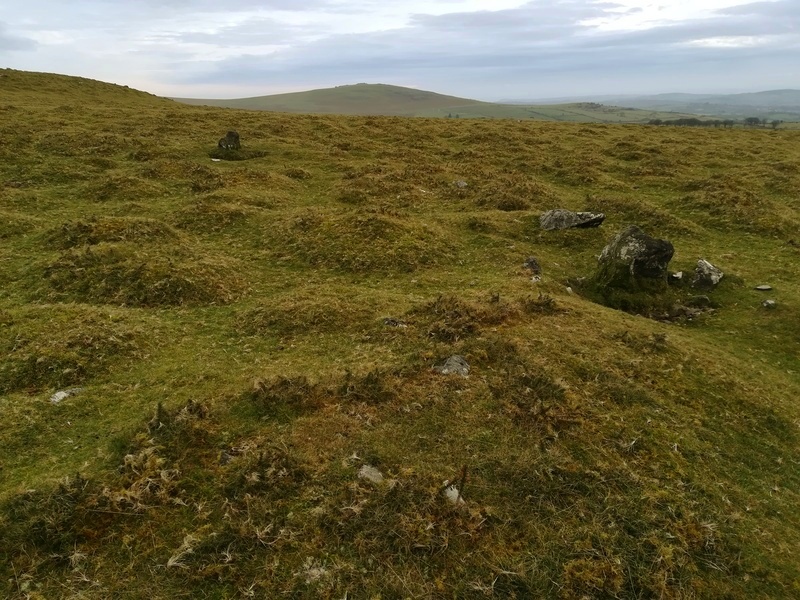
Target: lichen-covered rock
[[634, 261], [706, 275], [560, 218]]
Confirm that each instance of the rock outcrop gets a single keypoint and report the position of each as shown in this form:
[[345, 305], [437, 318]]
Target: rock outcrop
[[560, 218]]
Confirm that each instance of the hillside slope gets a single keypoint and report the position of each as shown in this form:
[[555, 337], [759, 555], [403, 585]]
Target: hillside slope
[[246, 350], [36, 90], [388, 100], [359, 99]]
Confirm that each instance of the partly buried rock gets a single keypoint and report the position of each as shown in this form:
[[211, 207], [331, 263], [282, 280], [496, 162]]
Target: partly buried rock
[[560, 218], [371, 474], [706, 275], [392, 322], [634, 261], [64, 394], [455, 364], [230, 141]]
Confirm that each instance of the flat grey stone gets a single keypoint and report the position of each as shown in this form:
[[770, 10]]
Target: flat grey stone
[[561, 218], [763, 288]]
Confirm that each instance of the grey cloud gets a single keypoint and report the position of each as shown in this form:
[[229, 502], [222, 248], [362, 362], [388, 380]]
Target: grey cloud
[[521, 47], [671, 35], [780, 9], [220, 6], [10, 42], [254, 32]]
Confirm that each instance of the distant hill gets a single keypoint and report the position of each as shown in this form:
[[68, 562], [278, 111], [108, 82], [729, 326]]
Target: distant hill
[[772, 104], [391, 100], [358, 99]]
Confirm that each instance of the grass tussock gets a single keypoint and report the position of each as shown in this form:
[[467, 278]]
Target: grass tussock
[[739, 201], [236, 155], [63, 345], [534, 399], [144, 276], [365, 242], [118, 187], [95, 230], [14, 224], [515, 193], [208, 216], [450, 318], [287, 397], [308, 311]]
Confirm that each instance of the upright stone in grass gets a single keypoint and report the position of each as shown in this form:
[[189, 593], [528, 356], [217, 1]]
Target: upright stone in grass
[[706, 275], [560, 218], [633, 261], [230, 141]]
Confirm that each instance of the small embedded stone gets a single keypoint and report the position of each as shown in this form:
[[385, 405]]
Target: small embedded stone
[[456, 364]]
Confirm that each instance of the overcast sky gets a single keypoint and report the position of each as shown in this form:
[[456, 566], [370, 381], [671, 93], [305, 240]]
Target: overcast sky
[[483, 49]]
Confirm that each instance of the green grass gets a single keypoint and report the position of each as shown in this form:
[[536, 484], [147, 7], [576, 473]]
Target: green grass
[[248, 334]]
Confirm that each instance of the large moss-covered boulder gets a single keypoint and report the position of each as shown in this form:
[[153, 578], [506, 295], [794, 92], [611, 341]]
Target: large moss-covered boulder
[[634, 262]]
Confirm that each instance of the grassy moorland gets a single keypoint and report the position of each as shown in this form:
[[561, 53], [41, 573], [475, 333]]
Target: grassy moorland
[[389, 100], [783, 105], [224, 323]]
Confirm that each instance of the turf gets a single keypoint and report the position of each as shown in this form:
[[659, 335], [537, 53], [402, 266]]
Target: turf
[[246, 336]]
